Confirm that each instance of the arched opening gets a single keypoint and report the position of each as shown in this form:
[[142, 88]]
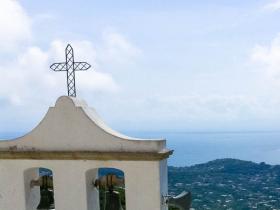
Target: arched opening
[[39, 190], [106, 189]]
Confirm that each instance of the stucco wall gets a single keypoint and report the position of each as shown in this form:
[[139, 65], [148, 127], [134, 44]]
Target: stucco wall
[[145, 182]]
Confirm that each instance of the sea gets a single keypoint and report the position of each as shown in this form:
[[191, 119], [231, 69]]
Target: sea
[[199, 147]]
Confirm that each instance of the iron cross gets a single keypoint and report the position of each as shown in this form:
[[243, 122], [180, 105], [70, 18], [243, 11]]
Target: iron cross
[[70, 66]]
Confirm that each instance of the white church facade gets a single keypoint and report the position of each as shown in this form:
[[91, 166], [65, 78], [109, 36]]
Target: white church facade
[[73, 142]]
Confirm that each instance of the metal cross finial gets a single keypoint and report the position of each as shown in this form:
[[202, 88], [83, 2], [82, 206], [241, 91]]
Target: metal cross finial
[[70, 66]]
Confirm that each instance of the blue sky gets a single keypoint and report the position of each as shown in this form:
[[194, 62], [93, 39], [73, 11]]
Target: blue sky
[[157, 65]]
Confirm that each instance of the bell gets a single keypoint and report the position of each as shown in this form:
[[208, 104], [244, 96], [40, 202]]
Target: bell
[[47, 200], [46, 192], [113, 201]]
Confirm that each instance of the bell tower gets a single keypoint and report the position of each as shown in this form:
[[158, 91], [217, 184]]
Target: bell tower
[[72, 156], [72, 160]]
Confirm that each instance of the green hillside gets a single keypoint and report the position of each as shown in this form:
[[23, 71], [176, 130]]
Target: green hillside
[[228, 184]]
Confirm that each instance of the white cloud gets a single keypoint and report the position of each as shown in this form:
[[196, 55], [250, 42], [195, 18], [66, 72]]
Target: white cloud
[[14, 23], [29, 78], [194, 111], [272, 6], [93, 79], [267, 58], [117, 48], [26, 76], [200, 107], [28, 86]]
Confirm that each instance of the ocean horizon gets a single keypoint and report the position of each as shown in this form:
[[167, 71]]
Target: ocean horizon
[[199, 147]]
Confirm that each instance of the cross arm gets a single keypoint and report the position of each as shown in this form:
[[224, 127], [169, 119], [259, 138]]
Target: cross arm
[[59, 66], [81, 66]]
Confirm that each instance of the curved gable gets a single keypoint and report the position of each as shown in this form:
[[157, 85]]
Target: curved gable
[[73, 126]]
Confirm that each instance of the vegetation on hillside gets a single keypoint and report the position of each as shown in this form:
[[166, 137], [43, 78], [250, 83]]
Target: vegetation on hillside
[[228, 184]]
